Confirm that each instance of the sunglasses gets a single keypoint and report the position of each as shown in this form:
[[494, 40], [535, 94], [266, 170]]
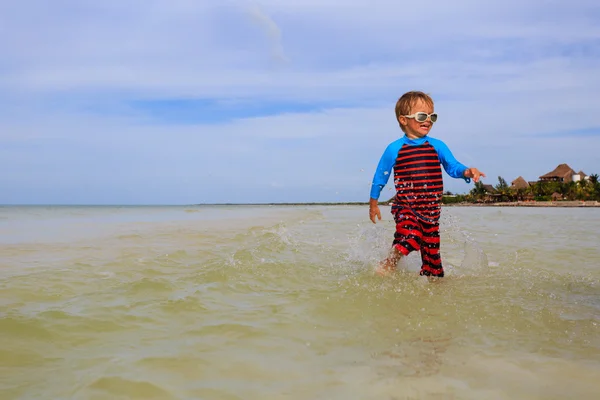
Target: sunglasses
[[422, 116]]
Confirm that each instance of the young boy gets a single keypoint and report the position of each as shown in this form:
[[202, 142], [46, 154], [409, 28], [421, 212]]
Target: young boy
[[415, 160]]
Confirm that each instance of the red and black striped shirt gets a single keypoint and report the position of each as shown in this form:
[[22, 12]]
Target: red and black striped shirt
[[418, 181]]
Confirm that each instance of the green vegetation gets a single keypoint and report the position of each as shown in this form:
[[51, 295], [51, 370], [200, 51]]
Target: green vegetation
[[455, 199], [584, 190]]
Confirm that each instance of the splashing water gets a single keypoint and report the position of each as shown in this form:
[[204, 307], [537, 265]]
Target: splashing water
[[257, 302]]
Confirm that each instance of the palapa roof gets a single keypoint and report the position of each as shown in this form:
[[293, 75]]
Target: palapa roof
[[520, 183], [562, 171], [582, 174], [489, 188]]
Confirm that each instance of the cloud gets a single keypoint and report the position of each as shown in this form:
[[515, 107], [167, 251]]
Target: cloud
[[186, 101], [271, 29]]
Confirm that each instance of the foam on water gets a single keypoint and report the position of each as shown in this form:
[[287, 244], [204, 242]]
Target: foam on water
[[281, 302]]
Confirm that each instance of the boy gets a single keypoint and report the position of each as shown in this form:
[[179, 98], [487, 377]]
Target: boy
[[415, 160]]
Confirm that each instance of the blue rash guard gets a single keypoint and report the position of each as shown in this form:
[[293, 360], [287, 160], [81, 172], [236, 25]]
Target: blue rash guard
[[452, 167]]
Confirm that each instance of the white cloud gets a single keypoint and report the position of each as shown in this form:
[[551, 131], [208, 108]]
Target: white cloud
[[185, 48], [271, 29], [504, 74]]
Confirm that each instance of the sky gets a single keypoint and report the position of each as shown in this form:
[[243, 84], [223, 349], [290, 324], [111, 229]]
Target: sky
[[268, 101]]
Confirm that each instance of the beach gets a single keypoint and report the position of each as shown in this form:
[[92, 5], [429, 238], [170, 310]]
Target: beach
[[567, 204], [280, 302]]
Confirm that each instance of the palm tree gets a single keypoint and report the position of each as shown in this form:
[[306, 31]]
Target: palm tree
[[586, 189], [571, 190], [543, 188], [530, 190], [478, 191], [503, 189], [595, 187], [553, 187], [564, 190], [517, 193]]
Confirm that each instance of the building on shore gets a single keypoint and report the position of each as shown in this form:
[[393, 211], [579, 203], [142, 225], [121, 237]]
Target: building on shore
[[580, 176], [519, 183], [564, 174], [491, 194], [521, 186]]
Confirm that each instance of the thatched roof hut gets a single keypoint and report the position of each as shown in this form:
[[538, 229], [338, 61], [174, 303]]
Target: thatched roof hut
[[556, 196], [489, 189], [562, 173], [519, 183], [491, 194], [580, 176]]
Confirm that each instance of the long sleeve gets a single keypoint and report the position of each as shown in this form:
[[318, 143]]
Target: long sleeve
[[452, 166], [384, 168]]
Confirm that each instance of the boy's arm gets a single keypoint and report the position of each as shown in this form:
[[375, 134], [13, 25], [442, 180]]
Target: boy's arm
[[474, 173], [383, 171], [451, 165], [374, 210], [380, 179]]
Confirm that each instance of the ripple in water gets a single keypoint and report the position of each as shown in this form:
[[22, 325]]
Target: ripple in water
[[282, 302]]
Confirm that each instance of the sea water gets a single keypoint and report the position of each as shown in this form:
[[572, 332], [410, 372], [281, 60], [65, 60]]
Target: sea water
[[281, 302]]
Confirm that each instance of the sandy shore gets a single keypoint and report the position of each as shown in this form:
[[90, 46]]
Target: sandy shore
[[465, 204], [530, 204]]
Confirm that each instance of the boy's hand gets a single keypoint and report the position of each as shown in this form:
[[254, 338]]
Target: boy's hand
[[473, 173], [374, 210]]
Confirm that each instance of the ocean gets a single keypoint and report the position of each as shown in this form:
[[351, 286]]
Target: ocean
[[281, 302]]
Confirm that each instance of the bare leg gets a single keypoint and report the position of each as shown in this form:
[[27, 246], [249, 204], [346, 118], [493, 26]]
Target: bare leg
[[388, 265]]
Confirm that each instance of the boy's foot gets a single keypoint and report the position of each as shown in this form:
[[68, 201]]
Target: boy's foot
[[385, 268], [382, 271], [427, 280], [430, 278]]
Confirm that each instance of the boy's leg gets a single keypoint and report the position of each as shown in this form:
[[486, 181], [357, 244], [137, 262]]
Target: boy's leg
[[430, 251], [407, 238], [389, 264]]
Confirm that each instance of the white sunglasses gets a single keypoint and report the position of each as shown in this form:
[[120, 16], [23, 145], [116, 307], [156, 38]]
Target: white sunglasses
[[422, 116]]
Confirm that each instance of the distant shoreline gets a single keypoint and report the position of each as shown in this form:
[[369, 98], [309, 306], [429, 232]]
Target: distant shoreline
[[569, 204], [565, 204]]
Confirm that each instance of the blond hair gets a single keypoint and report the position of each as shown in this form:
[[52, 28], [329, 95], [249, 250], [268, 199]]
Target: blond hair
[[407, 101]]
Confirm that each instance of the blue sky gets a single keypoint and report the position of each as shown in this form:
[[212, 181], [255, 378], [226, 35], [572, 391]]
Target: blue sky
[[185, 102]]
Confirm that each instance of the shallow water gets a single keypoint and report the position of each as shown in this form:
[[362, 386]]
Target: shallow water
[[280, 302]]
